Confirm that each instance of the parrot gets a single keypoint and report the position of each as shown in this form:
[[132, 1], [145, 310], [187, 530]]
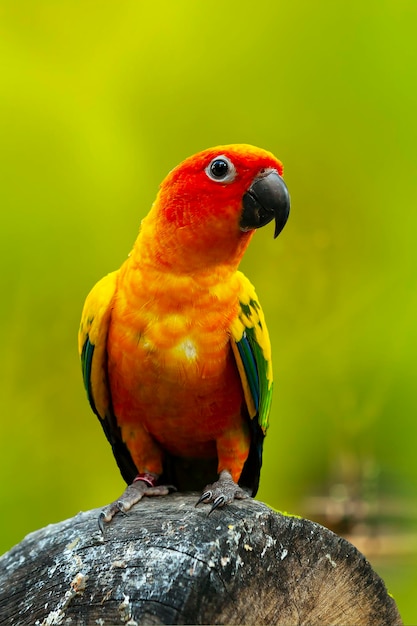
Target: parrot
[[174, 348]]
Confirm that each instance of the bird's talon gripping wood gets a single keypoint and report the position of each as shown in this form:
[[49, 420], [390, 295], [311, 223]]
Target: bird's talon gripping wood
[[175, 352], [222, 492], [121, 507], [131, 495], [205, 497], [218, 502]]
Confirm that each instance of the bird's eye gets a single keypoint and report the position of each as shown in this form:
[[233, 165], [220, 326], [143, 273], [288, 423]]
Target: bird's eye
[[221, 170]]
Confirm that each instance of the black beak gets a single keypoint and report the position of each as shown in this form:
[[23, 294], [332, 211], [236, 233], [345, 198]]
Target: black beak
[[267, 198]]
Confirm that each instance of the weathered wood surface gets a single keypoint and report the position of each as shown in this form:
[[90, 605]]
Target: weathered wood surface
[[167, 562]]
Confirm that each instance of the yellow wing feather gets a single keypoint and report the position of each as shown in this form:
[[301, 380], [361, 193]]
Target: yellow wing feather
[[92, 340], [252, 350]]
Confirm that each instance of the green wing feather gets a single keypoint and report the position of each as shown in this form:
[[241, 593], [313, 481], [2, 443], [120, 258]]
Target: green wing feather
[[252, 350]]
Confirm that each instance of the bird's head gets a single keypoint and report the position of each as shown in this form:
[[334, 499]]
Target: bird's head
[[210, 205]]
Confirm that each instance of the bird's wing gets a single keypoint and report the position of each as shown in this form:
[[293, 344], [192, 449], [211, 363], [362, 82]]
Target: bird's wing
[[252, 351], [92, 345]]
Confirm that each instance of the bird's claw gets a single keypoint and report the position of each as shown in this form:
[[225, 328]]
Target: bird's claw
[[101, 520], [131, 495], [207, 495], [222, 492], [217, 502], [121, 507]]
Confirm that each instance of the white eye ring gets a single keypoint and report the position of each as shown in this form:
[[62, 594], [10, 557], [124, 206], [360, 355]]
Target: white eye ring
[[221, 169]]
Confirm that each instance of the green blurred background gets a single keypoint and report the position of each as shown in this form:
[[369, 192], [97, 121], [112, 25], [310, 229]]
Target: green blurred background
[[98, 101]]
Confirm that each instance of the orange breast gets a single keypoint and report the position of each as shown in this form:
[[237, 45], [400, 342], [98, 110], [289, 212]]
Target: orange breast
[[171, 367]]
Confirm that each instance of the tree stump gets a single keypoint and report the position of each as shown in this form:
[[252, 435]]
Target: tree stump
[[167, 562]]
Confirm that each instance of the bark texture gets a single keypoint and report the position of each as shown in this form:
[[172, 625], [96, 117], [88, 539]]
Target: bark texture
[[167, 562]]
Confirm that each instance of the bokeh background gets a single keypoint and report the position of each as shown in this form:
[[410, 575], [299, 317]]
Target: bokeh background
[[98, 101]]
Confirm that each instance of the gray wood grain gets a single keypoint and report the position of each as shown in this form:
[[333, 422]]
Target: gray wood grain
[[167, 562]]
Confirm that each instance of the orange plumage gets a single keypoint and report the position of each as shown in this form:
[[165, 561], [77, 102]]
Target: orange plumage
[[159, 338], [170, 362]]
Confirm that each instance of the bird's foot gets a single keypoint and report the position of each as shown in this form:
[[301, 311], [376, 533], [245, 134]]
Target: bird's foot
[[143, 485], [222, 492]]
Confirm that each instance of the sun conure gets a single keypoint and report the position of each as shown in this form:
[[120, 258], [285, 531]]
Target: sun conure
[[175, 352]]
